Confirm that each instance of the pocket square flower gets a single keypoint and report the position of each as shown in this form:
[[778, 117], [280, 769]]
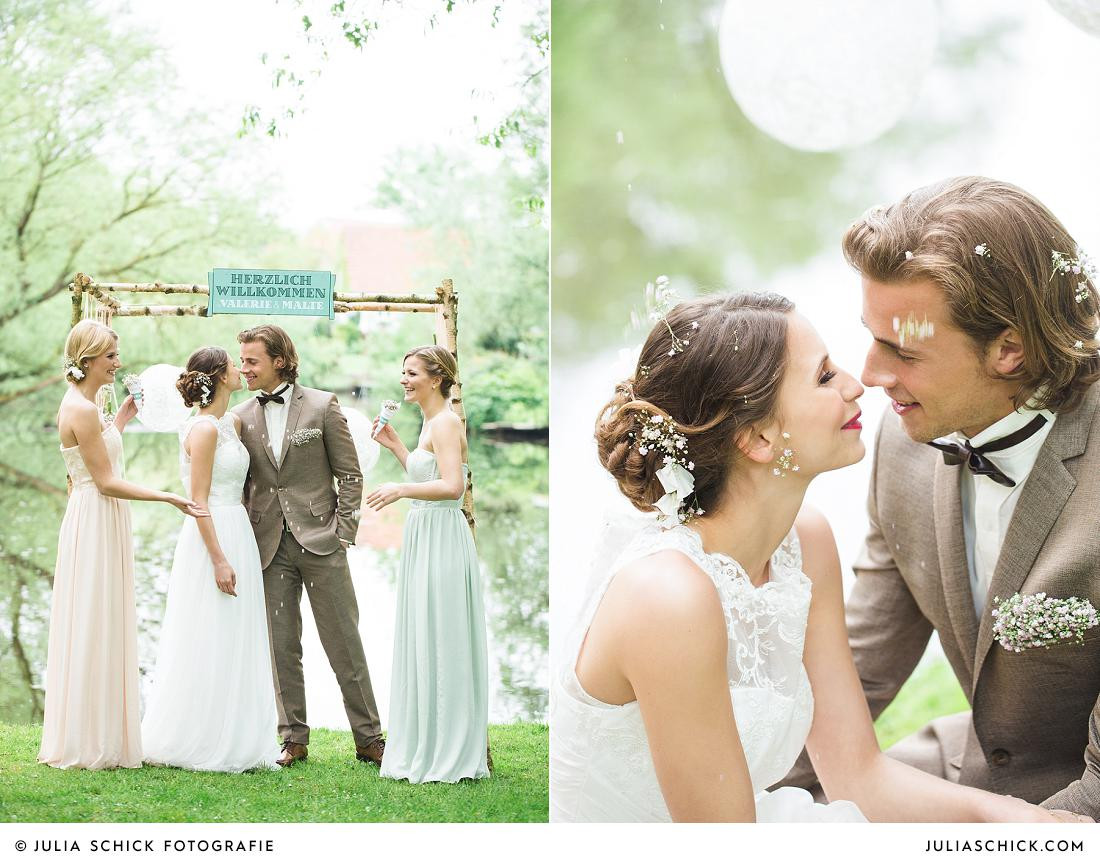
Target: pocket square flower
[[1038, 620], [300, 437]]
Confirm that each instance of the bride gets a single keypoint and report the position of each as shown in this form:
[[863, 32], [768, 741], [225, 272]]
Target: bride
[[212, 705], [715, 648]]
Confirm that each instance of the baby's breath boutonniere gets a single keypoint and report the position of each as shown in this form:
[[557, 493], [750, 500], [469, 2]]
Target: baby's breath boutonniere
[[300, 437], [1038, 620]]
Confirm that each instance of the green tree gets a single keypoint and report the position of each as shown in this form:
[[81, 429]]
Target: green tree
[[97, 175]]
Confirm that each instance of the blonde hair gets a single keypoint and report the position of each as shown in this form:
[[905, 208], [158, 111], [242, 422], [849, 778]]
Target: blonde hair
[[88, 340], [439, 363], [987, 245]]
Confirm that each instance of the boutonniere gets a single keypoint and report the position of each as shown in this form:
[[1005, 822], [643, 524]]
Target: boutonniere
[[300, 437], [1038, 620]]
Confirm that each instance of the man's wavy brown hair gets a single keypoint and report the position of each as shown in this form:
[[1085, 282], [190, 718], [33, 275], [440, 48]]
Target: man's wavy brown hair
[[1014, 285]]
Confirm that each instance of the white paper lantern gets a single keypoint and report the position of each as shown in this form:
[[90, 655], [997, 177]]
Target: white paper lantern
[[826, 76], [162, 408], [1083, 13], [366, 447]]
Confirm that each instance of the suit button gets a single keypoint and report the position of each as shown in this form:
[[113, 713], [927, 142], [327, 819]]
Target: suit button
[[999, 757]]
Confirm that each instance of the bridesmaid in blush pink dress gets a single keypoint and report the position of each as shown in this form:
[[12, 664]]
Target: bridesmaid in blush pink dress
[[91, 714]]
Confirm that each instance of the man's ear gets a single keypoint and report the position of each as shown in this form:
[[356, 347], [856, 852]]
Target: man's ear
[[1005, 354]]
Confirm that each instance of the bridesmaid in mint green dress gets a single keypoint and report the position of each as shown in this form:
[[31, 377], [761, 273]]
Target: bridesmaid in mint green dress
[[439, 690]]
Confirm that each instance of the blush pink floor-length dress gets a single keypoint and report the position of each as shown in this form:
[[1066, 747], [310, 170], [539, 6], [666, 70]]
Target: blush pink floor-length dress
[[92, 702]]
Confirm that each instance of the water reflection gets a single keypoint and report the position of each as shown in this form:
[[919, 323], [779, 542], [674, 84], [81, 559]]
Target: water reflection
[[510, 491]]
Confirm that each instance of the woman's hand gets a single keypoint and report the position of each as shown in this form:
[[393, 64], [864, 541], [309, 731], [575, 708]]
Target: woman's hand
[[226, 578], [1068, 817], [384, 495], [186, 506], [126, 412], [1002, 808], [386, 435]]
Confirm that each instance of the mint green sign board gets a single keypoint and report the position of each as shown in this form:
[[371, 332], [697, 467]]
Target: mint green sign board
[[271, 292]]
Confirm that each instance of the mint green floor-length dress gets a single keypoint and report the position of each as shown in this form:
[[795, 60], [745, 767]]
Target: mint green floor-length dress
[[439, 691]]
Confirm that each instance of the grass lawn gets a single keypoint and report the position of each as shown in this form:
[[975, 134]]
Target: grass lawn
[[933, 691], [330, 786]]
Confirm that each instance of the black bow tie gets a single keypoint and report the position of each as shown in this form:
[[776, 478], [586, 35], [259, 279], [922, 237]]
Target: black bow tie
[[974, 457], [276, 396]]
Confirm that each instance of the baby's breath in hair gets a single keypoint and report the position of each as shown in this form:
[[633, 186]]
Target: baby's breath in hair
[[1082, 267], [660, 434], [660, 299]]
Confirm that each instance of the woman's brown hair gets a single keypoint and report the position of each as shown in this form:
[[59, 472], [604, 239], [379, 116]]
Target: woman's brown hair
[[210, 362], [723, 382]]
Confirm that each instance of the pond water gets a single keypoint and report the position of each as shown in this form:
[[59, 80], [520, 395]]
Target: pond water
[[510, 489]]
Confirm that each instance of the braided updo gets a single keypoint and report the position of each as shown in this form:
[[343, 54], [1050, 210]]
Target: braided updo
[[210, 362], [724, 381]]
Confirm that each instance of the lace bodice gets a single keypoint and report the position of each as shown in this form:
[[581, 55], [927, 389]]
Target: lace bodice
[[421, 466], [230, 461], [603, 769], [74, 461]]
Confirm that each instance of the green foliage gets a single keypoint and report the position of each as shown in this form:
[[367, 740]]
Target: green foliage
[[657, 170], [932, 691], [331, 786], [506, 391]]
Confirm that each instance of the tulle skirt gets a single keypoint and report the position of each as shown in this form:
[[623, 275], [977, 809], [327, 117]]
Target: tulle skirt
[[211, 705]]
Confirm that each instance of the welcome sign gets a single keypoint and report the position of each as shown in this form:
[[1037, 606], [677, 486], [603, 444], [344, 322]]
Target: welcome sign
[[271, 292]]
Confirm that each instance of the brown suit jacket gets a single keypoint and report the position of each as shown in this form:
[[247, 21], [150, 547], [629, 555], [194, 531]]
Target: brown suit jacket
[[1035, 730], [316, 487]]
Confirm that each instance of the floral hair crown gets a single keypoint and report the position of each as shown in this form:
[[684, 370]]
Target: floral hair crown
[[661, 434], [72, 370]]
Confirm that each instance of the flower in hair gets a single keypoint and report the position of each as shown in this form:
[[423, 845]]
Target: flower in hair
[[661, 298], [1082, 267], [206, 385], [72, 370], [982, 251], [661, 434]]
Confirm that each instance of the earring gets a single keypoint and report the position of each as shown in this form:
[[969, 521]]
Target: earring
[[785, 460]]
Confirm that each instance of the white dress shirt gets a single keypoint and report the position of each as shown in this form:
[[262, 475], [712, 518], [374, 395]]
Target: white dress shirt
[[275, 415], [987, 506]]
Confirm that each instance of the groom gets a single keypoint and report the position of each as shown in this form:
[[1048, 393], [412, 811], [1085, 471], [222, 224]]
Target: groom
[[986, 481], [298, 443]]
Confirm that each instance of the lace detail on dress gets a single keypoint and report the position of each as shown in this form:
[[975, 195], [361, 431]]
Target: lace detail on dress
[[766, 625], [603, 769], [230, 461]]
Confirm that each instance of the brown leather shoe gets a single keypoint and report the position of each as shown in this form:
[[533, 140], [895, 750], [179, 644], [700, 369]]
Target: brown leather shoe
[[372, 752], [292, 752]]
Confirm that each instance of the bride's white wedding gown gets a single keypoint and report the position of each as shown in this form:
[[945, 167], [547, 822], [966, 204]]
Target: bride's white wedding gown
[[600, 765], [212, 702]]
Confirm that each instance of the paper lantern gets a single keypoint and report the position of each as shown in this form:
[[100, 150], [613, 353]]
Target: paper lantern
[[826, 76], [162, 408]]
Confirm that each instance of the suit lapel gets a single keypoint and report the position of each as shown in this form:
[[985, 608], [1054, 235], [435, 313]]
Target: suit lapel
[[293, 414], [1042, 499], [951, 546]]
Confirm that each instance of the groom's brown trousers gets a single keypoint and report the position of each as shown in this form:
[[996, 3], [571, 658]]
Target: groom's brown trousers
[[327, 582]]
